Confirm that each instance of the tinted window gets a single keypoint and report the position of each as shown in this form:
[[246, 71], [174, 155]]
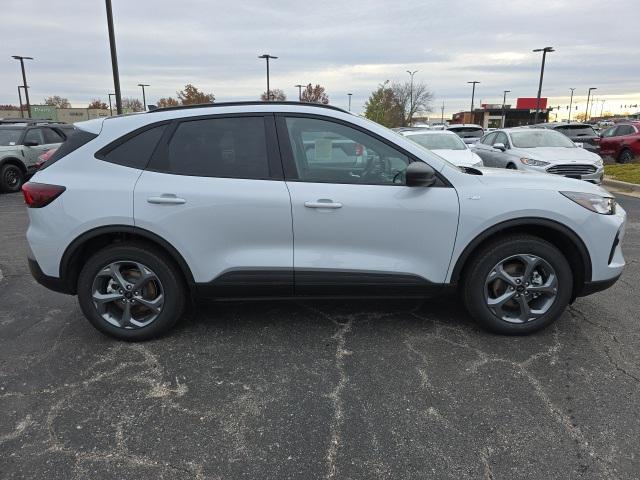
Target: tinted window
[[34, 135], [219, 147], [577, 130], [609, 132], [51, 136], [330, 152], [9, 136], [468, 132], [136, 151], [624, 130], [74, 141]]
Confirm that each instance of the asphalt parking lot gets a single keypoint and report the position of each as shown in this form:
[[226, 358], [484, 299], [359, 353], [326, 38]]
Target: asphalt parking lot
[[317, 389]]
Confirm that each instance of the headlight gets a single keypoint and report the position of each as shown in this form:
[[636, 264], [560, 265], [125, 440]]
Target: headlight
[[599, 162], [478, 164], [593, 202], [533, 163]]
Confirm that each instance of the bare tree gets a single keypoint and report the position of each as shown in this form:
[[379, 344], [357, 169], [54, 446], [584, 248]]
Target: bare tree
[[412, 100], [97, 103], [57, 101], [132, 104], [315, 94], [276, 95], [167, 102]]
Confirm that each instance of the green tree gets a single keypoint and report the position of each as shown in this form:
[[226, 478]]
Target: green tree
[[382, 106], [192, 96], [57, 101]]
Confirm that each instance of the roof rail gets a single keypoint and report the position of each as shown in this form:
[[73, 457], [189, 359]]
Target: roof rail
[[238, 104]]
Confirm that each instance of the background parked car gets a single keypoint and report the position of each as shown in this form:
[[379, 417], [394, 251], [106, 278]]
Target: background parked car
[[540, 150], [581, 133], [21, 144], [621, 142], [469, 132], [446, 144]]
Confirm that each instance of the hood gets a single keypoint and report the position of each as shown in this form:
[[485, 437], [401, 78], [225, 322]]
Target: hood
[[461, 158], [558, 154], [505, 178]]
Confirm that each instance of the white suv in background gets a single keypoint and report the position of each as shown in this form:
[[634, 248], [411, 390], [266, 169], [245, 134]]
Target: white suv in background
[[134, 214]]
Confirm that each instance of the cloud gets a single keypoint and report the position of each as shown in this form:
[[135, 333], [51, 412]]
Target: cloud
[[348, 46]]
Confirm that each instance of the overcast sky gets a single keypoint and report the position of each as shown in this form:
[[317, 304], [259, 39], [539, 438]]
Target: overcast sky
[[347, 46]]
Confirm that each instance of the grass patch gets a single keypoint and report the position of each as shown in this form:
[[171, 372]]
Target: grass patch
[[625, 173]]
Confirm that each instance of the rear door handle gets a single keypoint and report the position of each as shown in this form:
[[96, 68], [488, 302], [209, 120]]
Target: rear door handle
[[323, 203], [167, 199]]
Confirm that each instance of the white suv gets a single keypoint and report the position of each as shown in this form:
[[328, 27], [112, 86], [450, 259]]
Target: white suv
[[137, 213]]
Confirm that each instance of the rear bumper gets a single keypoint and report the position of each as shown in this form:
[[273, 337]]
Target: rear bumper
[[52, 283]]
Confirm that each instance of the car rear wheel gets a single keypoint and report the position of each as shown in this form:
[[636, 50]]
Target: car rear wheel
[[11, 178], [517, 285], [625, 157], [131, 292]]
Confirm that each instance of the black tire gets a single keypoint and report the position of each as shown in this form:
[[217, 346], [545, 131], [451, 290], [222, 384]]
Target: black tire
[[486, 258], [168, 274], [11, 178], [511, 166], [625, 156]]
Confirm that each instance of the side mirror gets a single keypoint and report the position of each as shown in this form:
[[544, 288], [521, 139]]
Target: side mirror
[[499, 146], [30, 144], [419, 174]]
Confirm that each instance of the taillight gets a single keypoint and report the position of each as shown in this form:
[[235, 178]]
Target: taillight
[[37, 195]]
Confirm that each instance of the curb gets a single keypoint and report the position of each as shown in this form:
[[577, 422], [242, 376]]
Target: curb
[[609, 182]]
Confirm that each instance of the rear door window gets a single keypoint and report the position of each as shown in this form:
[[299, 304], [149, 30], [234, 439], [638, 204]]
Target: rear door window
[[232, 147], [624, 130], [34, 135]]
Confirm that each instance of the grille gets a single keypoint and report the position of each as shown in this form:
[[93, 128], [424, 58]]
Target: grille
[[572, 169]]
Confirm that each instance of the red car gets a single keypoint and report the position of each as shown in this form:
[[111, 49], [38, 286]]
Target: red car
[[621, 142], [44, 157]]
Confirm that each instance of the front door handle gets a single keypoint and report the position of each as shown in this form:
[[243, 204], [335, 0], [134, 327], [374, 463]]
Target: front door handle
[[323, 203], [167, 199]]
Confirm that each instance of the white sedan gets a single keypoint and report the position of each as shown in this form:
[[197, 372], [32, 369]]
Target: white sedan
[[446, 144]]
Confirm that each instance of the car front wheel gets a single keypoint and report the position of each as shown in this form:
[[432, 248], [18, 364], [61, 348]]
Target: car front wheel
[[517, 285], [131, 292], [625, 157]]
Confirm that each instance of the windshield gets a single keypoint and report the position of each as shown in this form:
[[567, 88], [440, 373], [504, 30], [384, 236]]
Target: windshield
[[9, 136], [443, 141], [577, 131], [468, 132], [540, 138]]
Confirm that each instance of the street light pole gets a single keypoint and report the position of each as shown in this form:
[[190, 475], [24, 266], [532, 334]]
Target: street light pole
[[20, 99], [349, 95], [114, 57], [544, 51], [601, 108], [110, 108], [504, 100], [24, 81], [473, 94], [586, 112], [442, 113], [266, 56], [144, 98], [411, 95], [299, 91], [571, 103]]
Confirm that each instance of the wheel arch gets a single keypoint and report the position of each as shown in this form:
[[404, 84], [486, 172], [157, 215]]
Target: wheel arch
[[561, 236], [14, 161], [93, 240]]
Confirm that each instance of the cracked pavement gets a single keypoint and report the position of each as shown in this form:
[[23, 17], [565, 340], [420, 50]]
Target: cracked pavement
[[306, 390]]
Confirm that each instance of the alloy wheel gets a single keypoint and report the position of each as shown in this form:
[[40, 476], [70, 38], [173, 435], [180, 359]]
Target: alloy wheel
[[521, 288], [127, 294]]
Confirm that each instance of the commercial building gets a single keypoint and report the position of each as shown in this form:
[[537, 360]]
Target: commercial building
[[490, 115], [66, 115]]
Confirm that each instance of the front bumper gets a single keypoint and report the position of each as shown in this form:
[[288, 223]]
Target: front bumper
[[597, 286]]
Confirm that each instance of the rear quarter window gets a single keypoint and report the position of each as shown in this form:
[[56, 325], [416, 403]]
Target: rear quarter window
[[133, 150]]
